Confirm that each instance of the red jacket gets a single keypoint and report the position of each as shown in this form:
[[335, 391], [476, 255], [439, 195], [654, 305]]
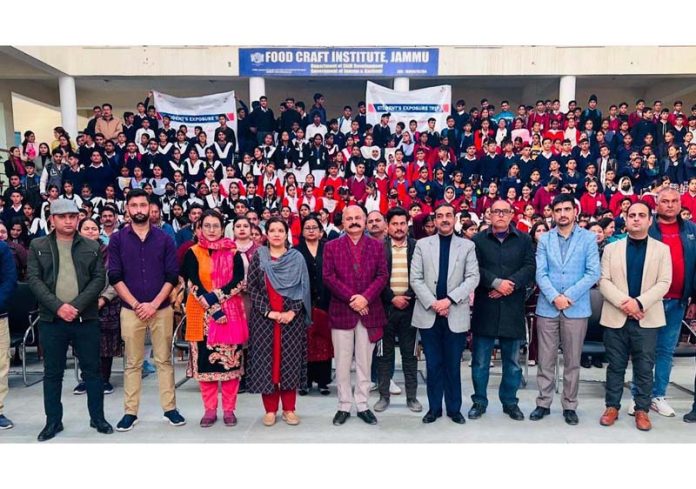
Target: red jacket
[[349, 270]]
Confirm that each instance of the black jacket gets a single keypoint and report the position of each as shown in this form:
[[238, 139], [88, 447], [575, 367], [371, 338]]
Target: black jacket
[[42, 274], [387, 293], [381, 135], [262, 121], [514, 260]]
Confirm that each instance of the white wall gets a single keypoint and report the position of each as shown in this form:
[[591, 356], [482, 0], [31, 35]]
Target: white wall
[[38, 117]]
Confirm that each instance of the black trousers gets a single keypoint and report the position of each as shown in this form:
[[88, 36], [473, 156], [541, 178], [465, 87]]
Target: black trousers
[[55, 338], [319, 372], [638, 343], [398, 325]]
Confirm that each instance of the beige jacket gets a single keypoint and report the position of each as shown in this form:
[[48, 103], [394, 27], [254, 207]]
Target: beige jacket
[[110, 128], [613, 284]]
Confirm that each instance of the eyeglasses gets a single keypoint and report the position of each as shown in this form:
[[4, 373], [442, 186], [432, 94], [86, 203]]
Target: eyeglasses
[[501, 212], [312, 228]]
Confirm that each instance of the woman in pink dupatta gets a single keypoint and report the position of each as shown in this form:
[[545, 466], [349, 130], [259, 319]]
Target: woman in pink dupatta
[[216, 325], [246, 248]]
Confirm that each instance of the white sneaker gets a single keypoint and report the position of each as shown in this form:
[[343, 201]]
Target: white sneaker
[[632, 408], [394, 389], [661, 407], [373, 387]]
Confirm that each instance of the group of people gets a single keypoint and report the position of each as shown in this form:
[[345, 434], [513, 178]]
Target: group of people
[[291, 253]]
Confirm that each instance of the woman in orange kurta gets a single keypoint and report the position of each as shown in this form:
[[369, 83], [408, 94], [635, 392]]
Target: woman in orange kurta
[[216, 324]]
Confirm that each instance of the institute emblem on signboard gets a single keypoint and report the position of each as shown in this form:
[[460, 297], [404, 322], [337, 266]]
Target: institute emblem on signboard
[[257, 58]]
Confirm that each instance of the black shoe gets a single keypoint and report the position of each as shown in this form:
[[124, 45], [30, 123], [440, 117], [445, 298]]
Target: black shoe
[[108, 388], [127, 422], [324, 390], [476, 411], [303, 392], [340, 417], [174, 418], [431, 417], [367, 416], [690, 417], [50, 430], [457, 418], [539, 412], [101, 425], [513, 410], [597, 363], [585, 362], [5, 423], [80, 389], [570, 417]]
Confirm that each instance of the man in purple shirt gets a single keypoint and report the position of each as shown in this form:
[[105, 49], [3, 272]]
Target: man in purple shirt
[[143, 270]]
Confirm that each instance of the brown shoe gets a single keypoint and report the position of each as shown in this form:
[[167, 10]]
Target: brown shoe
[[609, 417], [269, 419], [643, 421], [291, 418]]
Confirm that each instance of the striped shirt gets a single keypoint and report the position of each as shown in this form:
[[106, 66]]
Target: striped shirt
[[399, 274]]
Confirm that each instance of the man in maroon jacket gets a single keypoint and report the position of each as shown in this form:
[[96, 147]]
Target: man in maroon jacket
[[355, 271]]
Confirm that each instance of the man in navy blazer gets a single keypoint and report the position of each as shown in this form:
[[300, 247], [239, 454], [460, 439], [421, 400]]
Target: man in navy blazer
[[567, 267]]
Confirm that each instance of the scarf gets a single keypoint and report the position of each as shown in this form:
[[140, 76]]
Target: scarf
[[288, 276], [234, 330]]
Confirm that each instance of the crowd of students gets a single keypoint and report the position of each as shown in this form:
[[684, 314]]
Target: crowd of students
[[304, 164]]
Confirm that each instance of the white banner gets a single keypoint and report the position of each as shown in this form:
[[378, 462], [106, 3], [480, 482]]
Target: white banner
[[419, 105], [198, 111]]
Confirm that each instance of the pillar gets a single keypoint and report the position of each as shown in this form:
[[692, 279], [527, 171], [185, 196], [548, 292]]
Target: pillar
[[401, 84], [566, 91], [68, 105], [257, 88]]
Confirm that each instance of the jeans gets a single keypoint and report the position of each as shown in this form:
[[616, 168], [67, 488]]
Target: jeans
[[398, 324], [374, 370], [4, 360], [54, 338], [480, 369], [638, 343], [443, 354], [667, 339]]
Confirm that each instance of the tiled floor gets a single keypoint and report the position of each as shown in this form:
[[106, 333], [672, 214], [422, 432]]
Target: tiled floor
[[24, 406]]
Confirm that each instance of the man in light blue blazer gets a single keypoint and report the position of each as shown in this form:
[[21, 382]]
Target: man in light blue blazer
[[444, 273], [568, 266]]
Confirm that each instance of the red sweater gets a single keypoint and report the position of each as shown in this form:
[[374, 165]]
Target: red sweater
[[670, 237], [688, 201], [589, 204], [615, 202]]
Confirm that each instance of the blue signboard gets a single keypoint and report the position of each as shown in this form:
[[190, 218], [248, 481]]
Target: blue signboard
[[362, 62]]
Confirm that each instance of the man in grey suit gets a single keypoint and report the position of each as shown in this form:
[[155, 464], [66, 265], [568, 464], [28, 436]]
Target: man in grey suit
[[567, 267], [444, 273]]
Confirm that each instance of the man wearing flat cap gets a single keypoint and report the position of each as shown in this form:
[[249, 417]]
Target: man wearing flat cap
[[66, 275]]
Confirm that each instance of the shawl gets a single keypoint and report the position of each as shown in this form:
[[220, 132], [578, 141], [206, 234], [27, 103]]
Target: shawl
[[220, 270], [288, 276]]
